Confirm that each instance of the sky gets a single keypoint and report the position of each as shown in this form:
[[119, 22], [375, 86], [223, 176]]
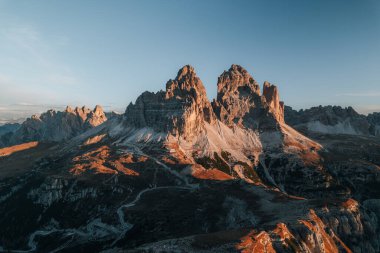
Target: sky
[[88, 52]]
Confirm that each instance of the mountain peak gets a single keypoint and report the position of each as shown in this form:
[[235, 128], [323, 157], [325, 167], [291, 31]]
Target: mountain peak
[[57, 126], [96, 116], [236, 76], [98, 109], [186, 83], [237, 68], [238, 94], [184, 71], [69, 109], [182, 110]]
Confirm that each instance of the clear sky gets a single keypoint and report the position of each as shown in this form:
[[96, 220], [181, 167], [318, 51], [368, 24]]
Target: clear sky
[[91, 52]]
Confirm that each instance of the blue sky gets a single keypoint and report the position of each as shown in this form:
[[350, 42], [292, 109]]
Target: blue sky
[[91, 52]]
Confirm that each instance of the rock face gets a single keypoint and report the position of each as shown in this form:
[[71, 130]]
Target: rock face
[[182, 110], [237, 93], [328, 119], [239, 101], [270, 92], [58, 126]]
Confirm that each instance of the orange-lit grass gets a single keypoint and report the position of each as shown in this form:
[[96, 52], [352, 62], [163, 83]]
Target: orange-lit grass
[[101, 161], [10, 150]]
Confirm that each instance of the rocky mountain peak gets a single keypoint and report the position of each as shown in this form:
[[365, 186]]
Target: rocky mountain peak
[[98, 110], [330, 120], [58, 125], [69, 109], [96, 117], [239, 100], [182, 110], [186, 70], [234, 80], [272, 97], [186, 83], [82, 112]]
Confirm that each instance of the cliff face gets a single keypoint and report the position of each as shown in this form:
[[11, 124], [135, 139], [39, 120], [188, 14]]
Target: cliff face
[[238, 93], [239, 101], [182, 110], [271, 94]]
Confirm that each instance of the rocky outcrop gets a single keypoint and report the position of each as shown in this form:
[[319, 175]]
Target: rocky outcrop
[[58, 126], [182, 110]]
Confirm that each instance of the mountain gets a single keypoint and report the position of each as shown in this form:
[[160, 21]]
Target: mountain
[[8, 128], [6, 131], [178, 173], [374, 121], [56, 126], [331, 120]]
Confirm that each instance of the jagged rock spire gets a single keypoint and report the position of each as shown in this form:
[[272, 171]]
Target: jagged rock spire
[[239, 101], [96, 116], [184, 109], [238, 94], [272, 97], [186, 83], [234, 79], [69, 109]]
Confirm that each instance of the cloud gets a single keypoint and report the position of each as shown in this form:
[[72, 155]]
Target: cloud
[[365, 109], [62, 79], [361, 94], [32, 71], [27, 39], [31, 49]]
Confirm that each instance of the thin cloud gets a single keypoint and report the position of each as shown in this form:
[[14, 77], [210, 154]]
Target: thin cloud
[[40, 50], [29, 40], [26, 48], [62, 79], [360, 94], [366, 109]]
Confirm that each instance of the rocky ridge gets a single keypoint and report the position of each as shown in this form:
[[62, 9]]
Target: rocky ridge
[[333, 120], [56, 126]]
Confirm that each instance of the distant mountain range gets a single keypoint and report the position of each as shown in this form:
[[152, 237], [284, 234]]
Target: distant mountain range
[[334, 120], [179, 173]]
